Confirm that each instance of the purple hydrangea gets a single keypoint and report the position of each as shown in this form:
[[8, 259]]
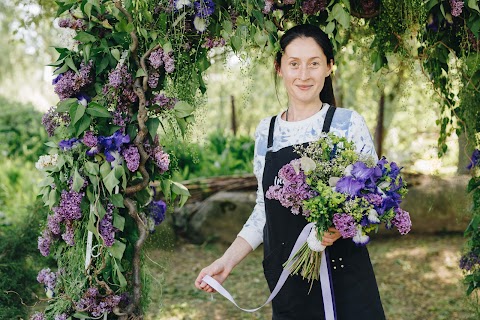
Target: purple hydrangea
[[204, 8], [312, 7], [132, 157], [345, 223], [44, 243], [89, 139], [156, 58], [457, 7], [402, 221], [106, 228]]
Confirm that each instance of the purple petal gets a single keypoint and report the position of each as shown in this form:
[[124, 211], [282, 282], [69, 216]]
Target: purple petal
[[349, 185], [361, 171]]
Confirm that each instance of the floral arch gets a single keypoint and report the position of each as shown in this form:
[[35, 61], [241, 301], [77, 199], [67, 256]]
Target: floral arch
[[136, 73]]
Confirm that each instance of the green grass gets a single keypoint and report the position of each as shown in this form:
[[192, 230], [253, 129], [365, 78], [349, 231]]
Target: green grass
[[418, 279]]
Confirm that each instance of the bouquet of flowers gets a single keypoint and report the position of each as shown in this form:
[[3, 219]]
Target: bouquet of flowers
[[332, 185]]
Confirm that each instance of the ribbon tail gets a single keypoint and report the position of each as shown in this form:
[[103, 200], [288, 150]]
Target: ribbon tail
[[327, 289]]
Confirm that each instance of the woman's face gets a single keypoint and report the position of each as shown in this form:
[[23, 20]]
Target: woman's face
[[304, 69]]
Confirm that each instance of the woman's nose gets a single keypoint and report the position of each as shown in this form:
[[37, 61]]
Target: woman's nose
[[304, 73]]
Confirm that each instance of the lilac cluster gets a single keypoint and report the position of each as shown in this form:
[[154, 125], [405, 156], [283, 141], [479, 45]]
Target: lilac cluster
[[163, 101], [48, 279], [345, 223], [474, 159], [119, 92], [44, 243], [51, 120], [106, 228], [474, 42], [402, 221], [38, 316], [294, 189], [369, 6], [89, 139], [268, 6], [156, 58], [69, 207], [160, 157], [169, 62], [62, 316], [469, 261], [132, 157], [204, 8], [155, 213], [69, 84], [375, 199], [153, 78], [95, 304], [457, 7], [75, 24], [312, 7], [69, 234], [213, 43]]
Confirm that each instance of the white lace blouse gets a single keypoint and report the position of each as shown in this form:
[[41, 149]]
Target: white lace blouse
[[345, 123]]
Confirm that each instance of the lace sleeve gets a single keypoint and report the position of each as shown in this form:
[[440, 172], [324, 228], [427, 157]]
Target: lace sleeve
[[358, 133]]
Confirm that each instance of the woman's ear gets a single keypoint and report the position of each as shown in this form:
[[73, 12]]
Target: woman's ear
[[277, 69], [330, 68]]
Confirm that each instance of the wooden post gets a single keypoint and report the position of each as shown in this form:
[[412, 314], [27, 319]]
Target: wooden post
[[379, 130]]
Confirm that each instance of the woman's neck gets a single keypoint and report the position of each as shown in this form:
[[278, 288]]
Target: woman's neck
[[301, 112]]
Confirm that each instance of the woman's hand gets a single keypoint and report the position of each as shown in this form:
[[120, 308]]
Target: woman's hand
[[217, 270], [330, 236]]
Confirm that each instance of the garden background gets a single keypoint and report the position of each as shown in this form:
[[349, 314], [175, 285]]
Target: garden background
[[418, 275]]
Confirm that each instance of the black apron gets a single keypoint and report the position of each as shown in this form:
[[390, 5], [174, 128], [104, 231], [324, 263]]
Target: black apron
[[355, 288]]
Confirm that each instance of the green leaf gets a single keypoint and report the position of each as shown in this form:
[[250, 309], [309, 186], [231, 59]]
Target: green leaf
[[167, 47], [473, 184], [236, 43], [83, 124], [66, 105], [183, 109], [62, 69], [152, 126], [165, 186], [92, 168], [97, 110], [78, 181], [330, 27], [81, 315], [181, 190], [105, 169], [177, 21], [100, 210], [87, 8], [431, 4], [52, 198], [115, 53], [117, 249], [117, 200], [79, 112], [47, 182], [270, 26], [473, 4], [128, 4], [118, 221], [342, 16], [140, 73], [121, 278], [111, 181], [85, 37], [91, 223]]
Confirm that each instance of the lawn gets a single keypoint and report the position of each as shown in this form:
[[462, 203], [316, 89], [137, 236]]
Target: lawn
[[418, 279]]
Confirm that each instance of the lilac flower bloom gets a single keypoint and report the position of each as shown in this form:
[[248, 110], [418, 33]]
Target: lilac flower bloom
[[457, 7], [156, 58], [69, 234], [89, 139], [106, 228], [474, 160], [38, 316], [402, 221], [53, 223], [468, 261], [349, 186], [44, 243], [345, 223], [312, 7], [62, 316], [68, 144], [132, 157]]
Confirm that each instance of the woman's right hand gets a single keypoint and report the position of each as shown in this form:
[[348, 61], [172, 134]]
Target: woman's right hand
[[217, 270]]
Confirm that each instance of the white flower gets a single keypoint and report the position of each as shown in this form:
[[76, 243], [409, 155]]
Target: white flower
[[348, 170], [200, 24], [383, 185], [373, 216], [46, 161], [360, 238], [332, 182], [118, 159], [313, 243], [308, 165], [179, 4]]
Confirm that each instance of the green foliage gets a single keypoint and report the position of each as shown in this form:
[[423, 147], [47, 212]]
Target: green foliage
[[21, 131], [19, 263], [221, 154]]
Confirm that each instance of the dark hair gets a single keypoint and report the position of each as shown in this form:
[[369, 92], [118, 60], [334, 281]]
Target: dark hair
[[321, 38]]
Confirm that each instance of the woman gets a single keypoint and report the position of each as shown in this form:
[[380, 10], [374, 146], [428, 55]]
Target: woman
[[305, 63]]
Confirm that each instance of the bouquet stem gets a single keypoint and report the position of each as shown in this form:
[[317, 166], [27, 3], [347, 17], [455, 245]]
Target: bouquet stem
[[305, 262]]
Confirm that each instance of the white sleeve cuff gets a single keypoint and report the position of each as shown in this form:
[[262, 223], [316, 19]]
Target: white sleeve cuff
[[252, 236]]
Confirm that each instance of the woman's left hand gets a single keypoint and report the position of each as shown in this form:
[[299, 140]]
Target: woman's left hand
[[330, 236]]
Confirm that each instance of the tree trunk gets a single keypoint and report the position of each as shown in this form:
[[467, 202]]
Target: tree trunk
[[234, 117], [379, 130]]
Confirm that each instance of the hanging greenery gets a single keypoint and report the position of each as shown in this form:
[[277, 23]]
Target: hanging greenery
[[134, 74]]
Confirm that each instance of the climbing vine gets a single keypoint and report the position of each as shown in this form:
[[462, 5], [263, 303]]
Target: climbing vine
[[134, 75]]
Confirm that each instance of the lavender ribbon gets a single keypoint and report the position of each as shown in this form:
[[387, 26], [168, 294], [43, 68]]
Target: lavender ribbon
[[328, 302]]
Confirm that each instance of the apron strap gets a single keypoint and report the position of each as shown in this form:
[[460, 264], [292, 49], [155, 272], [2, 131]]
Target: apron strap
[[270, 132], [328, 119]]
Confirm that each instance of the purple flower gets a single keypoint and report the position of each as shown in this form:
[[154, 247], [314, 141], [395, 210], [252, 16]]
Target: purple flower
[[69, 206], [69, 234], [349, 185], [38, 316], [469, 261], [169, 62], [89, 139], [402, 221], [83, 99], [51, 120], [474, 160], [132, 157], [44, 243], [68, 144], [312, 7], [345, 223], [374, 199], [70, 83], [53, 223], [106, 228], [204, 8], [62, 316], [156, 210], [213, 43], [457, 7], [361, 172], [109, 145], [268, 6], [360, 238], [164, 101], [153, 78], [156, 58]]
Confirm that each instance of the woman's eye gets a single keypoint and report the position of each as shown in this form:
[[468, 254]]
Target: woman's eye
[[294, 64], [315, 64]]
